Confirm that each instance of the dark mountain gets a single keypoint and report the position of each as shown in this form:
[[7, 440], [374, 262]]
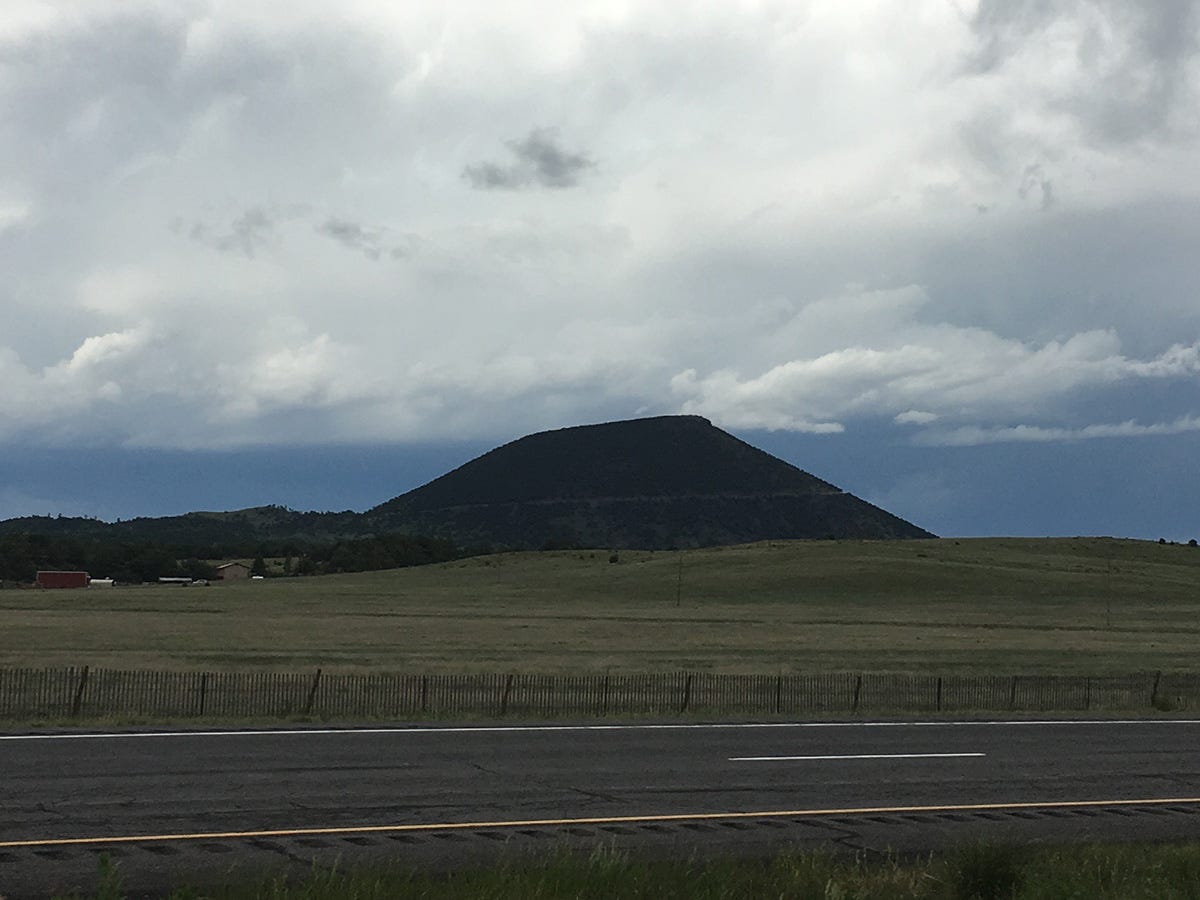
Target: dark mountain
[[671, 481]]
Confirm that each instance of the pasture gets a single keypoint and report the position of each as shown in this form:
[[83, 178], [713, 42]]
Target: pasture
[[949, 606]]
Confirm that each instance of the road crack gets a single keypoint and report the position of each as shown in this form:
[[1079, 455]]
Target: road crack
[[546, 786], [597, 795]]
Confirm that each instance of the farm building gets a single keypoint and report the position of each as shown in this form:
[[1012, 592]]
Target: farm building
[[52, 579], [233, 571]]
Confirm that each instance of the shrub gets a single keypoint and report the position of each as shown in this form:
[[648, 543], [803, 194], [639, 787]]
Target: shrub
[[985, 872]]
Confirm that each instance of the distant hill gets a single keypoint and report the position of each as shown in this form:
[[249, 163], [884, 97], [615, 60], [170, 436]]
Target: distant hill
[[670, 481], [238, 527], [654, 483]]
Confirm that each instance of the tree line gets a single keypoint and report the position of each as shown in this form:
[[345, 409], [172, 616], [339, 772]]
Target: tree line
[[22, 555]]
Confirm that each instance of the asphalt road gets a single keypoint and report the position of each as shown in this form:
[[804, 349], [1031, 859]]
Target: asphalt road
[[194, 804]]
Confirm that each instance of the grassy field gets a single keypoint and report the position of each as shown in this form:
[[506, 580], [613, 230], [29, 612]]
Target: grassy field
[[981, 872], [1083, 605]]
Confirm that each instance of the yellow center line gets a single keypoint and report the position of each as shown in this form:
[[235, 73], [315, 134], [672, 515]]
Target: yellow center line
[[596, 820]]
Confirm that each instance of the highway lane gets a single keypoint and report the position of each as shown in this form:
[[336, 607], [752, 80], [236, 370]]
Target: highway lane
[[65, 787], [110, 785]]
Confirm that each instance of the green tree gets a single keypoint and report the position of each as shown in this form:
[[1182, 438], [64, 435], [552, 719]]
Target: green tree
[[197, 569]]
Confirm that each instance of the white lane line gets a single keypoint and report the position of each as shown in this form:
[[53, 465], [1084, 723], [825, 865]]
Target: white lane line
[[855, 756], [501, 729]]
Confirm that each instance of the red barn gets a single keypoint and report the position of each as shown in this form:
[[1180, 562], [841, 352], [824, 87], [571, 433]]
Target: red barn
[[62, 579]]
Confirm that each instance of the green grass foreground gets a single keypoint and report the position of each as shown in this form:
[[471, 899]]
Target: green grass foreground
[[982, 872], [983, 606]]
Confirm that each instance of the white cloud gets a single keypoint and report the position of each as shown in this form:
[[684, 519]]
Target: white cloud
[[312, 373], [969, 436], [915, 417], [121, 291], [105, 350], [902, 365], [12, 214]]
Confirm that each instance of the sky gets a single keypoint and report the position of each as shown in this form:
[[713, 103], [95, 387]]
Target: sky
[[942, 253]]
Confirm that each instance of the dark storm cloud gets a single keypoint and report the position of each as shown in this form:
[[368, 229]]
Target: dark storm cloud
[[371, 241], [540, 161], [1035, 184], [353, 236], [1135, 59], [249, 233]]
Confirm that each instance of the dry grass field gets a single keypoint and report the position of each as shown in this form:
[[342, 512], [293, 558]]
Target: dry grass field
[[995, 606]]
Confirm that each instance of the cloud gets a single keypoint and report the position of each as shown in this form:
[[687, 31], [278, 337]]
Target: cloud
[[1120, 70], [971, 436], [540, 162], [369, 241], [784, 230], [352, 235], [12, 214], [291, 374], [901, 364], [915, 417], [102, 351], [250, 232], [147, 386], [68, 398], [1034, 183]]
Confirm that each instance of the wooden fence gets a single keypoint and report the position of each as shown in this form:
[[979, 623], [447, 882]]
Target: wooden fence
[[84, 692]]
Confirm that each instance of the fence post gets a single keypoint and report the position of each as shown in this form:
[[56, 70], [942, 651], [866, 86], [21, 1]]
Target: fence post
[[604, 697], [203, 691], [508, 683], [1154, 690], [687, 693], [77, 703], [857, 692], [312, 693], [1087, 692], [1012, 694], [939, 693], [424, 693], [778, 695]]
